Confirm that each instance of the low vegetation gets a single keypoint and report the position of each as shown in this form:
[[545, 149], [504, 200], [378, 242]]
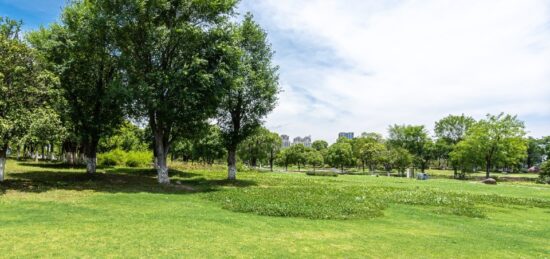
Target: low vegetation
[[119, 157]]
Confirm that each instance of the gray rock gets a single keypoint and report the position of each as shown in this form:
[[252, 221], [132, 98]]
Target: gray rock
[[489, 181]]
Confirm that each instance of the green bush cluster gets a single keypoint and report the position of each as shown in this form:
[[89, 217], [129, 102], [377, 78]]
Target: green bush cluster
[[119, 157], [325, 173], [544, 174]]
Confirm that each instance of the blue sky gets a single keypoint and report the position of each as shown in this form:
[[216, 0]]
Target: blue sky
[[360, 65]]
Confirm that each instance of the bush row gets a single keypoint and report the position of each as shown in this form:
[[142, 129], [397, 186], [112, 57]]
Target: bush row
[[119, 157]]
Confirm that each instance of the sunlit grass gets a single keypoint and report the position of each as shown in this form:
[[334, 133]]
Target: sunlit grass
[[52, 211]]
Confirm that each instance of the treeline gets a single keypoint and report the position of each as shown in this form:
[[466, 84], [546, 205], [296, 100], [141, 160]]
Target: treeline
[[173, 67], [460, 143]]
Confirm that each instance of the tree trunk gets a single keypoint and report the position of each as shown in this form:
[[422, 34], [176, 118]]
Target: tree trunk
[[161, 147], [271, 161], [232, 163], [363, 166], [3, 152], [342, 168], [91, 155], [488, 169]]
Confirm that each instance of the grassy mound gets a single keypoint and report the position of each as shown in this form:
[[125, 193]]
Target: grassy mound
[[309, 202], [352, 202]]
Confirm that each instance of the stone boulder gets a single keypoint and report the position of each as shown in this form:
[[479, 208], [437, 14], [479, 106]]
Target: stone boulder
[[489, 181]]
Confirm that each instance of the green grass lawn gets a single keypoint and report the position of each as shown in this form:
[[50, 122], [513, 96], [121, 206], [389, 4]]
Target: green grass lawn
[[47, 210]]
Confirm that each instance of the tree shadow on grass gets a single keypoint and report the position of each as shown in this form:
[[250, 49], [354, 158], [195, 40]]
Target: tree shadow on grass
[[115, 180], [52, 165]]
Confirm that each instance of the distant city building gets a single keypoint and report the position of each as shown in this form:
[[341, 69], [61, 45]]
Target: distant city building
[[285, 139], [348, 135], [306, 141]]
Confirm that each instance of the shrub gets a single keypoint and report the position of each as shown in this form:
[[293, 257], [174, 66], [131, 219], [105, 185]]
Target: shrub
[[119, 157], [544, 174], [138, 158], [112, 158], [333, 174]]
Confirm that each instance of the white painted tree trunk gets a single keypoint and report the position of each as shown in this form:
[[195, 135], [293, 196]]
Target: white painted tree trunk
[[232, 172], [231, 165], [163, 174], [162, 167], [91, 165], [2, 168]]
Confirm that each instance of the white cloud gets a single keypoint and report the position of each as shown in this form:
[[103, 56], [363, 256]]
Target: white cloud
[[362, 65]]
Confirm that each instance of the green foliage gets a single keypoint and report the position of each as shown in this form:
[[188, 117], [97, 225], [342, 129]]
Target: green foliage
[[535, 151], [172, 51], [128, 137], [25, 85], [112, 158], [415, 139], [82, 52], [544, 174], [263, 145], [397, 158], [314, 158], [497, 140], [453, 128], [319, 145], [340, 154], [139, 158], [119, 157], [251, 82], [369, 150]]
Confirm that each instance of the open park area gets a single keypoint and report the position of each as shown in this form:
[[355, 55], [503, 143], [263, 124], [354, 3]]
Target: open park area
[[49, 210], [274, 129]]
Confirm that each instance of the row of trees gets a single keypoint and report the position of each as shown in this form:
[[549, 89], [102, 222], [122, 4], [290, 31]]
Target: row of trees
[[176, 66], [461, 143]]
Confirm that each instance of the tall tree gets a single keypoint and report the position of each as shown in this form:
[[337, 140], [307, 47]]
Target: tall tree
[[340, 155], [252, 87], [296, 155], [413, 139], [369, 150], [452, 130], [83, 52], [25, 86], [535, 152], [496, 140], [397, 158], [314, 158], [172, 50], [273, 145]]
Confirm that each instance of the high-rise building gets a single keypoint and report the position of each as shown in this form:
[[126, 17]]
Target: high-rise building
[[306, 141], [285, 141], [348, 135]]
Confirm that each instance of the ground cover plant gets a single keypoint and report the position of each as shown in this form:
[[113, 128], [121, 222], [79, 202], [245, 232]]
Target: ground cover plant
[[52, 210]]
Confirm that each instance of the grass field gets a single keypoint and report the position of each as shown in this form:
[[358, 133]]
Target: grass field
[[47, 210]]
